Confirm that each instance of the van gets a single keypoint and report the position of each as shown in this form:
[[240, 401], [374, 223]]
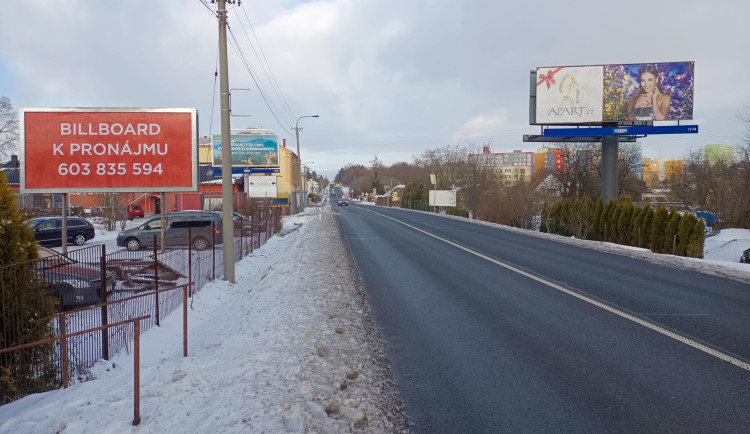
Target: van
[[204, 226]]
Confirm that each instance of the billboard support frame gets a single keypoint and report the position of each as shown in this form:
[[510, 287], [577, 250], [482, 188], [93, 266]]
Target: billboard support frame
[[609, 134]]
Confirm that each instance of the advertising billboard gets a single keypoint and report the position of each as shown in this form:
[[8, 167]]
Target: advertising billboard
[[614, 93], [94, 150], [249, 150], [442, 198]]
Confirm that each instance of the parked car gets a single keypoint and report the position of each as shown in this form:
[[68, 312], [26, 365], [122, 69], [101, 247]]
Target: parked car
[[48, 230], [135, 211], [242, 224], [205, 229], [72, 283], [343, 201], [745, 258]]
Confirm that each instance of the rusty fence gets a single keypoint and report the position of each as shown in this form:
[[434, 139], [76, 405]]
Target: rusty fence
[[87, 290]]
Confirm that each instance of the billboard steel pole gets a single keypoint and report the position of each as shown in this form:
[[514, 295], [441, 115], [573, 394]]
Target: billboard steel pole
[[609, 168]]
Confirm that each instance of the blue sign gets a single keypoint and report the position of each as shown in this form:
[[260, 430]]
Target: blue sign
[[620, 131], [241, 170]]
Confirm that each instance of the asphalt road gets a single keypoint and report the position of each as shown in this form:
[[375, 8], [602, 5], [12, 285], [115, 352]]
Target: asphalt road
[[493, 331]]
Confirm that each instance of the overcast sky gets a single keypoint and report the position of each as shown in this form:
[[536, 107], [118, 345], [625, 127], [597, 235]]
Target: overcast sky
[[389, 78]]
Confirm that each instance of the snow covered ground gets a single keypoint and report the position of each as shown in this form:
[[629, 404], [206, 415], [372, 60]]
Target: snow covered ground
[[290, 347]]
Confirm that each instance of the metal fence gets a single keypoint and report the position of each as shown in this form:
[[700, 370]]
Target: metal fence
[[91, 288]]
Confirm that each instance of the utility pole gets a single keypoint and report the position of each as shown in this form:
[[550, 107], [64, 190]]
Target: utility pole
[[296, 129], [226, 148]]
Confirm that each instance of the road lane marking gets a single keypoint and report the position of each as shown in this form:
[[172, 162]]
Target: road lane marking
[[669, 333]]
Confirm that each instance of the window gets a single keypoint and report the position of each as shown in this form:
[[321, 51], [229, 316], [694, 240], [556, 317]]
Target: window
[[49, 224], [153, 224]]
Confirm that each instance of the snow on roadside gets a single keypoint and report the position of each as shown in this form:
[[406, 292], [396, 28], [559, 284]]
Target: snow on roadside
[[290, 347]]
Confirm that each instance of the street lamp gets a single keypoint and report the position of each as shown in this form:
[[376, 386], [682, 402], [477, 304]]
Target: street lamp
[[296, 130]]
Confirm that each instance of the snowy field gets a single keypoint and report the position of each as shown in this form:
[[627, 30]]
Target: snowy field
[[290, 347]]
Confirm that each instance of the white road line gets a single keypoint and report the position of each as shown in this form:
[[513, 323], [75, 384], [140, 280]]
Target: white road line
[[685, 340]]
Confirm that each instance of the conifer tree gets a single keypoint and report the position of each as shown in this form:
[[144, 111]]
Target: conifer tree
[[648, 218], [23, 300], [566, 209], [635, 225], [604, 220], [697, 238], [613, 235], [656, 232], [670, 231], [624, 222], [685, 229], [596, 230]]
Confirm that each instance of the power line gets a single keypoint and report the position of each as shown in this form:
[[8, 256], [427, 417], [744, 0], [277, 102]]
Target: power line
[[264, 63], [268, 103]]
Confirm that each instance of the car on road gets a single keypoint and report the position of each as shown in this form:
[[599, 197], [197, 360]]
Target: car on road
[[135, 211], [72, 283], [48, 230], [204, 227], [343, 201]]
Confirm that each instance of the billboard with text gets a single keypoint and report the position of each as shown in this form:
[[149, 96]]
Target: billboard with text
[[66, 150], [614, 93], [249, 150]]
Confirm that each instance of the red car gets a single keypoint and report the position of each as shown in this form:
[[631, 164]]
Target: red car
[[134, 211]]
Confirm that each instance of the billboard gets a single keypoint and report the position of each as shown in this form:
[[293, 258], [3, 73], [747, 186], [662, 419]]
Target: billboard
[[594, 94], [249, 150], [442, 198], [109, 149], [261, 186]]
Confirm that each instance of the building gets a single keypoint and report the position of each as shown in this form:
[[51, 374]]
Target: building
[[715, 153], [548, 160], [657, 172], [511, 167]]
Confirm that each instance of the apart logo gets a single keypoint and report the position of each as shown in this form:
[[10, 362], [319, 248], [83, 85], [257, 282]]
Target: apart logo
[[620, 131]]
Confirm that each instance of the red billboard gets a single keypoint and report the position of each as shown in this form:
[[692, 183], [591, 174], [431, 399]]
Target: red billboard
[[67, 150]]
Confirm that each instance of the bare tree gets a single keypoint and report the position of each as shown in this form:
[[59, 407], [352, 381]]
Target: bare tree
[[8, 128], [575, 180], [721, 188]]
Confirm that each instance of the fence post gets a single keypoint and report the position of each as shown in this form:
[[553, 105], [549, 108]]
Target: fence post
[[105, 317], [184, 320], [156, 280], [252, 230], [674, 244], [213, 251], [64, 351], [136, 372], [190, 259]]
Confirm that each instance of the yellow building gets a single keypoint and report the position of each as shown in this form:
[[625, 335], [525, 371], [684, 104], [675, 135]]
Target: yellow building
[[287, 180], [657, 172], [513, 175]]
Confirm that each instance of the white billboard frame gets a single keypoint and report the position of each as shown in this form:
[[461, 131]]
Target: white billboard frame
[[442, 198]]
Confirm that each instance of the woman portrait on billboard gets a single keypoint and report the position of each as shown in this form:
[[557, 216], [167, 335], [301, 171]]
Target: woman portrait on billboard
[[649, 103]]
